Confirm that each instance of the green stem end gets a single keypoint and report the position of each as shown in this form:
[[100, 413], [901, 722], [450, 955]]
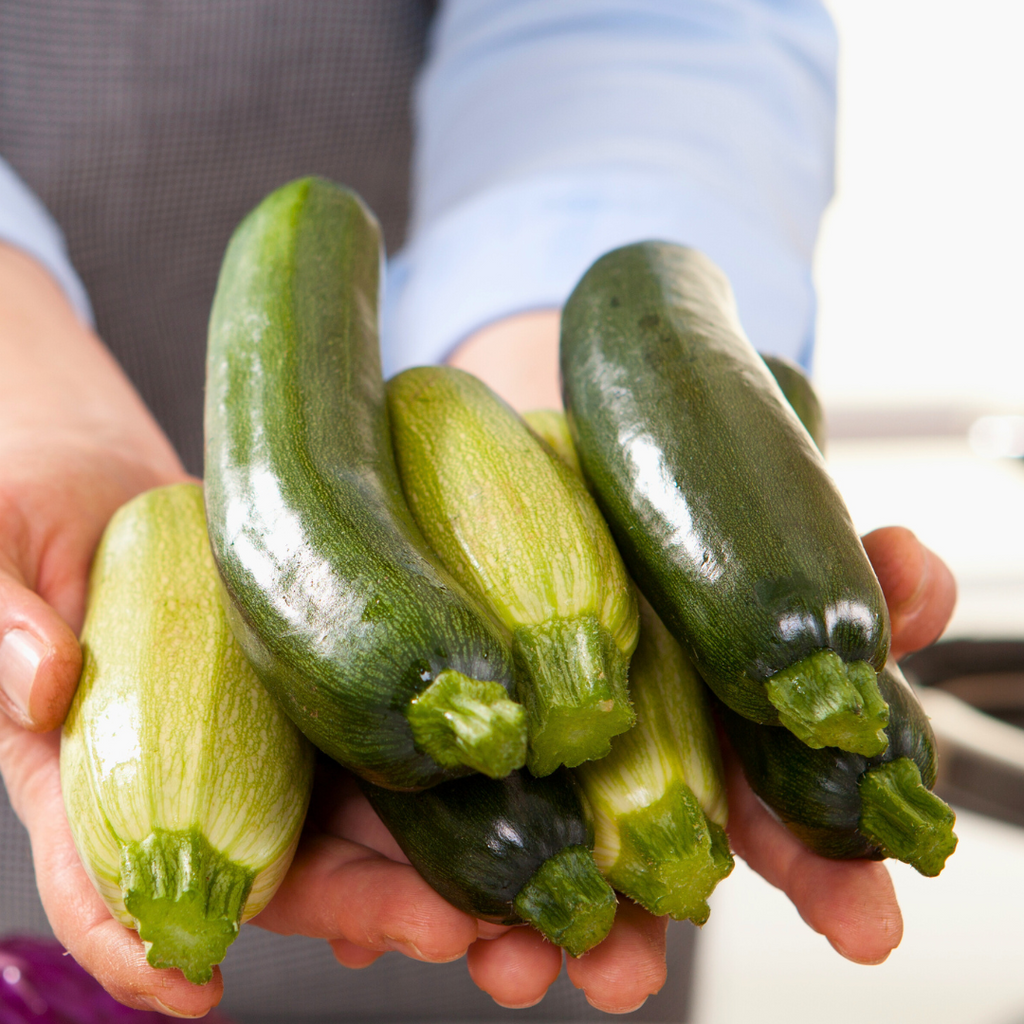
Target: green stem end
[[826, 702], [568, 900], [462, 721], [905, 818], [573, 684], [671, 856], [186, 898]]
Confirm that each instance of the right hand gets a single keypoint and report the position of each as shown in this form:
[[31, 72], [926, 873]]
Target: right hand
[[76, 442]]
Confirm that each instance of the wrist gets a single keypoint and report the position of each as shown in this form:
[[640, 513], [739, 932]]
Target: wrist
[[517, 357]]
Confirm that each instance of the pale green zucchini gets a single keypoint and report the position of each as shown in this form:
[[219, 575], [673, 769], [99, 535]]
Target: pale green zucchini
[[185, 785], [515, 526], [658, 800]]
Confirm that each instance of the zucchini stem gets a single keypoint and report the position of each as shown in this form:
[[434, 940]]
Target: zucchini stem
[[187, 900], [906, 819], [568, 900], [826, 702], [573, 685], [670, 855], [462, 721]]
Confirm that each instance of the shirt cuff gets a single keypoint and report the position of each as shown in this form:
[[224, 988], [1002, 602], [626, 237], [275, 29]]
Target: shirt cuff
[[522, 245], [26, 223]]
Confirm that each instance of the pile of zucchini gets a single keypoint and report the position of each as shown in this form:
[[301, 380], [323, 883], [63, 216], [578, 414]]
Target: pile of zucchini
[[452, 602]]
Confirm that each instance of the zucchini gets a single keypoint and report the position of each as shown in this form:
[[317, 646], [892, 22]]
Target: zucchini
[[184, 783], [517, 528], [658, 800], [801, 396], [348, 617], [842, 804], [721, 505], [509, 850]]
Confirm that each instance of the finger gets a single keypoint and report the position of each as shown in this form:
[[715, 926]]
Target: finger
[[618, 975], [113, 954], [338, 889], [339, 808], [40, 659], [350, 955], [516, 969], [918, 586], [851, 902]]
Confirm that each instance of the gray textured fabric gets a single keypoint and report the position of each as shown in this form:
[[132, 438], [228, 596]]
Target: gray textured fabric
[[260, 964], [150, 128]]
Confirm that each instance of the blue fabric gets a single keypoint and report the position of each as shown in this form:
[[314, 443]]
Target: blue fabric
[[27, 224], [549, 131]]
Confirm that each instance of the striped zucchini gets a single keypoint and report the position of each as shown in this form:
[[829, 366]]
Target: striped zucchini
[[379, 656], [185, 785], [519, 530], [658, 800], [720, 502]]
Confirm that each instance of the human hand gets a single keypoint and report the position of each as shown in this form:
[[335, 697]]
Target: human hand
[[852, 903], [76, 442]]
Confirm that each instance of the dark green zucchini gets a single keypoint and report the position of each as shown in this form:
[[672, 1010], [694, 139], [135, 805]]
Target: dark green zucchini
[[721, 505], [375, 651], [801, 396], [845, 805], [506, 850]]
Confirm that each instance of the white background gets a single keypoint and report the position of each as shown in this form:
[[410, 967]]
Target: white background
[[921, 307]]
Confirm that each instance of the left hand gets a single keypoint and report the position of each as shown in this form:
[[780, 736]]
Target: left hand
[[852, 903]]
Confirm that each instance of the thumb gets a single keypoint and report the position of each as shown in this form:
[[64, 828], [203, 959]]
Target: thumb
[[40, 659]]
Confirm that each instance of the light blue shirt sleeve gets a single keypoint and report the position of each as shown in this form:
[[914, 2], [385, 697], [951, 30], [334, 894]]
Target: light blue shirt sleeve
[[550, 131], [26, 223]]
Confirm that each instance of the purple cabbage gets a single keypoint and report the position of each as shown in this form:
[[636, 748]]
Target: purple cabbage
[[41, 984]]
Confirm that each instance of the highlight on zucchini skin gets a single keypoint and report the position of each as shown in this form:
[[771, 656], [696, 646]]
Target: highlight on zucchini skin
[[518, 529], [844, 805], [185, 785], [720, 502], [510, 850], [658, 800], [337, 599]]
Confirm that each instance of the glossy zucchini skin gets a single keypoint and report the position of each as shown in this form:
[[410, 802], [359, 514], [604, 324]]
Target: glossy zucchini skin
[[817, 793], [339, 603], [479, 842], [719, 501]]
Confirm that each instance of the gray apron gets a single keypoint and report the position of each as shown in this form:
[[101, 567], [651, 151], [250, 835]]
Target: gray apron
[[149, 128]]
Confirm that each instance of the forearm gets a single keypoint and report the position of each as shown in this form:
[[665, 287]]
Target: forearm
[[58, 376]]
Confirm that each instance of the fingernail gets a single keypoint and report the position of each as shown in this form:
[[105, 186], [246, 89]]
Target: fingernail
[[20, 656], [155, 1004]]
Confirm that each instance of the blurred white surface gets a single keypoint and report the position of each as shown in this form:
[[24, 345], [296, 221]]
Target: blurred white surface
[[959, 962], [920, 263], [968, 509], [920, 273]]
